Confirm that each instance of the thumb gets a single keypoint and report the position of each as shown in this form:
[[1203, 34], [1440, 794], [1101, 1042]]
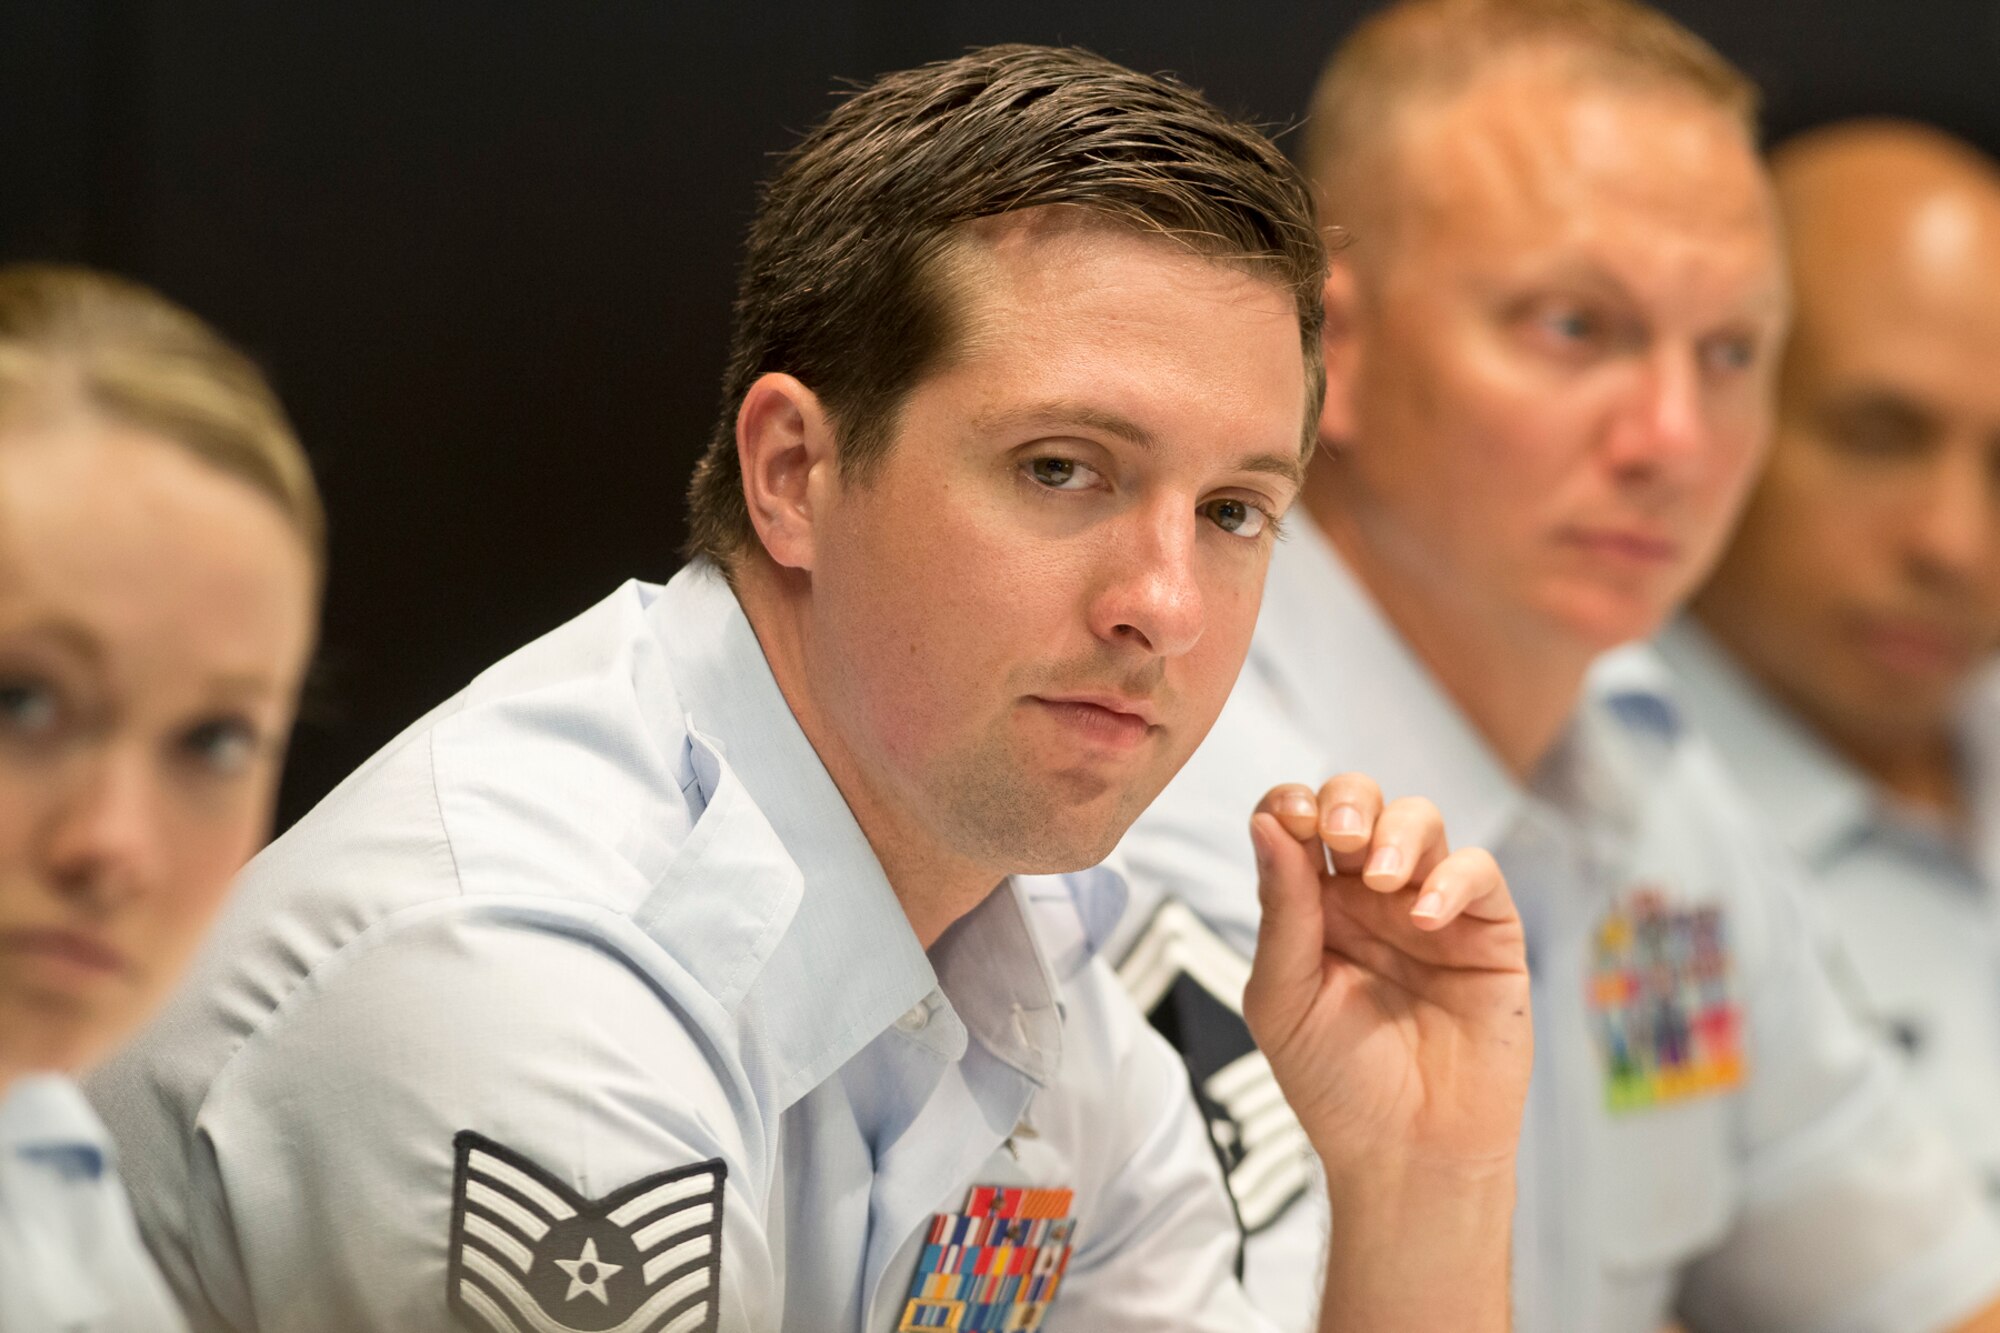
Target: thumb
[[1291, 949]]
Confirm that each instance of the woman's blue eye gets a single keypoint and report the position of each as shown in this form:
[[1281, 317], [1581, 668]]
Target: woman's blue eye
[[28, 708], [225, 746]]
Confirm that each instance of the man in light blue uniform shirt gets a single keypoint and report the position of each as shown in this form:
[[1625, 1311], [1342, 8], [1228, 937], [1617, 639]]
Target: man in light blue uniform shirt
[[68, 1245], [1549, 345], [696, 967], [1840, 656]]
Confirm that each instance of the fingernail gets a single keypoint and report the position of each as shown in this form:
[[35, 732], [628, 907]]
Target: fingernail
[[1344, 819], [1297, 804], [1257, 846], [1385, 861], [1430, 905]]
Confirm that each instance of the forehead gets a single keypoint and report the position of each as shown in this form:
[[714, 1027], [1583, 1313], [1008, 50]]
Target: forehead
[[1055, 299], [1909, 295], [1534, 164], [152, 554]]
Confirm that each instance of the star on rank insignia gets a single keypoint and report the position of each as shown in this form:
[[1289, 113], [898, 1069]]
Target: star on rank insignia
[[1189, 984], [995, 1266], [531, 1255], [1663, 1002]]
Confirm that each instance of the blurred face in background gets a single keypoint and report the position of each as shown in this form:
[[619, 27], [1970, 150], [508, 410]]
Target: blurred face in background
[[1864, 585], [155, 619], [1550, 358]]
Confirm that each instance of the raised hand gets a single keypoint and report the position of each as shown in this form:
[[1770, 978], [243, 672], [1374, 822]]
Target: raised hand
[[1390, 994], [1390, 987]]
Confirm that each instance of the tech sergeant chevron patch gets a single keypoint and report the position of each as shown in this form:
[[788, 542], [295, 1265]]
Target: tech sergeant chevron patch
[[531, 1255]]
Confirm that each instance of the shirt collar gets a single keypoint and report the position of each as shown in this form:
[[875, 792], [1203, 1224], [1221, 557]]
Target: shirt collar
[[831, 960], [46, 1125], [1979, 740], [1346, 672], [1817, 800]]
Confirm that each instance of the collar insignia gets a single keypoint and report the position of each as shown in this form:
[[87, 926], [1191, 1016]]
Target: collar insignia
[[531, 1255]]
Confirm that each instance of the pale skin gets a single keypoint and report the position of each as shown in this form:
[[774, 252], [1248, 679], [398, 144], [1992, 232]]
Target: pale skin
[[1549, 382], [155, 619], [1549, 385], [1863, 587], [1006, 638]]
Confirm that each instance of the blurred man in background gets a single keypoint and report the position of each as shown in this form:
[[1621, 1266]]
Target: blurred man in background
[[1835, 656], [1551, 344]]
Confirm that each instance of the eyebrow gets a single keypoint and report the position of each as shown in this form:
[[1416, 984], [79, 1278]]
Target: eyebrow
[[80, 642], [1595, 279], [246, 688], [73, 637], [1065, 416]]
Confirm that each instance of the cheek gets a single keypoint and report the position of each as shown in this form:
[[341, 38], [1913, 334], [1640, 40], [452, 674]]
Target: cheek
[[1816, 529], [205, 853], [22, 797]]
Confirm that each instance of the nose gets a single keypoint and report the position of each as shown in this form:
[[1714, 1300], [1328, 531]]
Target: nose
[[1952, 523], [1151, 597], [104, 844], [1660, 427]]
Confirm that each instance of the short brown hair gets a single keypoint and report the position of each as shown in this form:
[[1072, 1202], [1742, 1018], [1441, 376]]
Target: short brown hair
[[1434, 48], [842, 282], [73, 336]]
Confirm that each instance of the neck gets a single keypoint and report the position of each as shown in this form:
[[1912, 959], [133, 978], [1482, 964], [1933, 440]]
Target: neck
[[1924, 774], [1515, 685], [934, 886], [1916, 768]]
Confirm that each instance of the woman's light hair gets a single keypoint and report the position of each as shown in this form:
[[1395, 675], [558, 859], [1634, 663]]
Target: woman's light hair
[[75, 338]]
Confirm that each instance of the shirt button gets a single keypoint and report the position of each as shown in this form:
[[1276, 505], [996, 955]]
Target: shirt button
[[917, 1019]]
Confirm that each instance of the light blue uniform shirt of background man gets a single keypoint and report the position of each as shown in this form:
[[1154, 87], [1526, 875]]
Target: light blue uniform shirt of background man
[[606, 909], [1911, 904], [1811, 1197], [70, 1257]]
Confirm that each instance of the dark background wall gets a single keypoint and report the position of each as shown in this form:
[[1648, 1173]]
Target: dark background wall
[[486, 249]]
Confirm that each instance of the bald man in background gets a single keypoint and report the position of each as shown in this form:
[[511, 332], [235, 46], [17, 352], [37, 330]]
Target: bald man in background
[[1841, 654], [1551, 344]]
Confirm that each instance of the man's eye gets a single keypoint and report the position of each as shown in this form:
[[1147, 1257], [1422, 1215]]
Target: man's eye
[[1570, 330], [1729, 355], [223, 747], [1880, 429], [1060, 474], [1237, 516], [28, 708]]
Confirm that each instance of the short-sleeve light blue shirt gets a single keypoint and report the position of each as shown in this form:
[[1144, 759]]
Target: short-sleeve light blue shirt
[[70, 1257], [1911, 902], [601, 921], [1709, 1134]]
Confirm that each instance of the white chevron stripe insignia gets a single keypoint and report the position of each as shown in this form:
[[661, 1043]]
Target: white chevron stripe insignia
[[531, 1254], [1266, 1156]]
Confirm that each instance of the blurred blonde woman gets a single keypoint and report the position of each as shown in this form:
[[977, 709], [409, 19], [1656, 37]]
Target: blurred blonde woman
[[160, 567]]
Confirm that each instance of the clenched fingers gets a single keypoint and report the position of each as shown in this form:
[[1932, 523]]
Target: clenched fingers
[[1465, 883]]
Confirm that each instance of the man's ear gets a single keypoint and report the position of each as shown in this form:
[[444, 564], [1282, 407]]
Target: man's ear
[[1340, 346], [785, 443]]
